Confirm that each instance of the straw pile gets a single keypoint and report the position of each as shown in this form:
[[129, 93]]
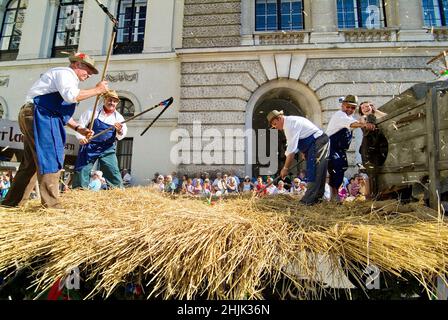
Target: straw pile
[[234, 249]]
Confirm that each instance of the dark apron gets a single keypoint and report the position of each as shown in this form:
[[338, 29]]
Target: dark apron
[[51, 114], [96, 147], [308, 147], [339, 144]]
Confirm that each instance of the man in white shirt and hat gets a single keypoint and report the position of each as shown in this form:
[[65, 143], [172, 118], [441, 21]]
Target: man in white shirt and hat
[[340, 132], [103, 147], [304, 136], [50, 104]]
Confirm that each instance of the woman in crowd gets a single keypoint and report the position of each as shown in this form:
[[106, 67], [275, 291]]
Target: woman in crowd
[[247, 185], [5, 184], [170, 187], [206, 188], [232, 187], [281, 188], [271, 189], [259, 185], [197, 187]]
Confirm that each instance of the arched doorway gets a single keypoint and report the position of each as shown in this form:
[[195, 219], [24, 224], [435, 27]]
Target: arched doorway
[[291, 96]]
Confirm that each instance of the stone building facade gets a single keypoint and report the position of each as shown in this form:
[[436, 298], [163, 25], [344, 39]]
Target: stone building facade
[[225, 75]]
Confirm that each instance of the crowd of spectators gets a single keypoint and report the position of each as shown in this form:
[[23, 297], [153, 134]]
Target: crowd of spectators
[[225, 184]]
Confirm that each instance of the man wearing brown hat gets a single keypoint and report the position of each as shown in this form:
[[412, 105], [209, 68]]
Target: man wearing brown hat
[[304, 136], [50, 104], [340, 132], [102, 148]]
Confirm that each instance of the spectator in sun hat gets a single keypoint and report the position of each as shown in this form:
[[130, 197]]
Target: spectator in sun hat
[[49, 107], [340, 132], [304, 136], [295, 186], [95, 183], [247, 184], [101, 149]]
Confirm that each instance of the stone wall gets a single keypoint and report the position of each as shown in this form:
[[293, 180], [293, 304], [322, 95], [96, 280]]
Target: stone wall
[[377, 79], [215, 94], [211, 23]]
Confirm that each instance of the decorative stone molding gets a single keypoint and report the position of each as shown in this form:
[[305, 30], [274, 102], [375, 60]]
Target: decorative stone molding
[[119, 76], [282, 65], [281, 38], [369, 35], [440, 34], [4, 81]]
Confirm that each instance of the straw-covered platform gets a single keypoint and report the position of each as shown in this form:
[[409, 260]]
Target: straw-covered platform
[[237, 248]]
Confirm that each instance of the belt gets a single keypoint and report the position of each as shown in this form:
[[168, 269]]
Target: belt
[[318, 134]]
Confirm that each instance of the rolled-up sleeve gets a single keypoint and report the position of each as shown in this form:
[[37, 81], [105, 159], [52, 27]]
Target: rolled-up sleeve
[[67, 84], [292, 147], [125, 128], [83, 122]]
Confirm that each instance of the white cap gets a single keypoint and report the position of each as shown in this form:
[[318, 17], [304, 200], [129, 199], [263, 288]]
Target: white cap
[[98, 173]]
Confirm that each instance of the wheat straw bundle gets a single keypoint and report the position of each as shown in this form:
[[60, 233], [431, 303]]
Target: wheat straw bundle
[[234, 249]]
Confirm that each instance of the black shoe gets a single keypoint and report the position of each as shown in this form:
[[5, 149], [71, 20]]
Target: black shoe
[[7, 206], [307, 203]]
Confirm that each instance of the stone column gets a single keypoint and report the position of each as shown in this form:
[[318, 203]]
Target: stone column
[[324, 22], [159, 26], [35, 29], [410, 21], [178, 23], [96, 28], [247, 22]]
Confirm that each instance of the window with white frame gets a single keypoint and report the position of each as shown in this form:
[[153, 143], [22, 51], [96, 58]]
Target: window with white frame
[[11, 32], [435, 12], [126, 107], [124, 153], [68, 27], [273, 15], [131, 26], [354, 14]]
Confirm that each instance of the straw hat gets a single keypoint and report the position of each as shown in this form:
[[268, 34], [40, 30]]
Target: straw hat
[[274, 114], [110, 94], [84, 58], [351, 99]]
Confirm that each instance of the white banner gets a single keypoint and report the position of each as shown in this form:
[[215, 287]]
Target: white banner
[[12, 137]]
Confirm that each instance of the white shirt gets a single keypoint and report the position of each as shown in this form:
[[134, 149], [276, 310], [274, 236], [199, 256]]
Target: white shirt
[[327, 193], [271, 189], [127, 178], [338, 121], [297, 128], [62, 79], [108, 119]]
